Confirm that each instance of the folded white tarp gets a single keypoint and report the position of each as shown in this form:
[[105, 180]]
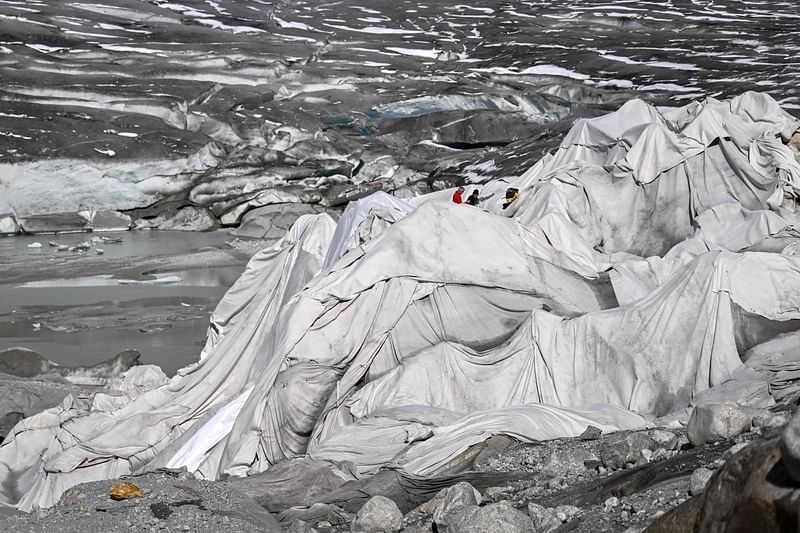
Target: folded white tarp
[[355, 213], [375, 441]]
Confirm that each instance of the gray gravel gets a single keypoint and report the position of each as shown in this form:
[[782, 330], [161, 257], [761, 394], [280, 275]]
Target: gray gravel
[[170, 503], [596, 497]]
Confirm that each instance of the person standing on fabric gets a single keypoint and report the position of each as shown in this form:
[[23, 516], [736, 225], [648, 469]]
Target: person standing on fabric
[[457, 195], [473, 197], [512, 194]]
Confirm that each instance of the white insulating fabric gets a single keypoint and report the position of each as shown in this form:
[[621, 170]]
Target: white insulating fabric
[[777, 360], [355, 213], [629, 363], [277, 272], [619, 286], [375, 441], [195, 449], [526, 423], [622, 199], [75, 446]]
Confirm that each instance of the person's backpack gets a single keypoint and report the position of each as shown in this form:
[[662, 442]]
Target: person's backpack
[[511, 192]]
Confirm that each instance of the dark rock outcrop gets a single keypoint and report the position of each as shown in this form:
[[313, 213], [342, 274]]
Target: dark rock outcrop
[[752, 491], [22, 362]]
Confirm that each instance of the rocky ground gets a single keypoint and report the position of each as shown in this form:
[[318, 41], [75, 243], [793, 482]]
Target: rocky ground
[[654, 480], [173, 502]]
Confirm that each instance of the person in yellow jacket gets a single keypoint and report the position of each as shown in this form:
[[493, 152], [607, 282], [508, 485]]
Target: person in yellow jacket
[[512, 193]]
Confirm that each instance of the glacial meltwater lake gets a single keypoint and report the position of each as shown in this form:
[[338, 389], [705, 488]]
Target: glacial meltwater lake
[[85, 320]]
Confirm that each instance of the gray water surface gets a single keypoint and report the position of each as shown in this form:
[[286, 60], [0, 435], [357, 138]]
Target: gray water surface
[[82, 321]]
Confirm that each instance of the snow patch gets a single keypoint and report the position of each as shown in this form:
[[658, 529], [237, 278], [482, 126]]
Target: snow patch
[[416, 52], [621, 84], [14, 135], [105, 26], [539, 70], [374, 30], [43, 48], [675, 66], [293, 25], [668, 87], [183, 10], [134, 49], [217, 25]]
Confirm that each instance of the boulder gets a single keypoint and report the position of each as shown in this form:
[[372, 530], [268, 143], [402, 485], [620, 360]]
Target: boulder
[[340, 517], [430, 506], [767, 420], [611, 503], [565, 513], [591, 433], [752, 491], [699, 480], [567, 461], [378, 515], [791, 447], [490, 519], [664, 439], [622, 448], [459, 517], [645, 456], [459, 495], [544, 519], [715, 421]]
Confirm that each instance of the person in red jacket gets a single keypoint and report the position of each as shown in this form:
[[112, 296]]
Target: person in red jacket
[[457, 195]]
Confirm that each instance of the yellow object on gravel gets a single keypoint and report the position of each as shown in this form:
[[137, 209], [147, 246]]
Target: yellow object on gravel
[[124, 491]]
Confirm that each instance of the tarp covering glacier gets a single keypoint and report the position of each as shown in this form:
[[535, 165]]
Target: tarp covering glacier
[[644, 261]]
